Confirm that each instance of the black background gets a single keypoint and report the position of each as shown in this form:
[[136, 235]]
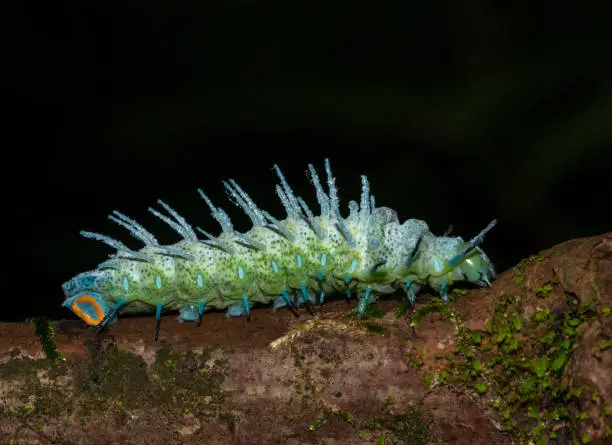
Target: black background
[[458, 112]]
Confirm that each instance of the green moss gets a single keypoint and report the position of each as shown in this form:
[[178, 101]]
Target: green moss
[[409, 428], [520, 268], [44, 332], [36, 398], [117, 379], [46, 400], [476, 337], [22, 367], [540, 316], [112, 375], [446, 311], [346, 416], [605, 345], [539, 366], [185, 380], [480, 387], [375, 328], [459, 292], [371, 312], [544, 290], [548, 338], [375, 313], [401, 310], [317, 424], [415, 359], [517, 324], [109, 382], [525, 359]]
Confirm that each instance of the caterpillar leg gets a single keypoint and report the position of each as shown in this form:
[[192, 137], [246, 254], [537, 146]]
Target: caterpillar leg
[[347, 281], [241, 309], [411, 290], [247, 308], [111, 315], [200, 312], [189, 313], [322, 298], [285, 300], [320, 277], [444, 291], [307, 298], [158, 309], [363, 302]]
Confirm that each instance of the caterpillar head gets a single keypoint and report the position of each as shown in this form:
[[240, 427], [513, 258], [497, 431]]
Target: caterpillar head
[[471, 264], [84, 298], [476, 269]]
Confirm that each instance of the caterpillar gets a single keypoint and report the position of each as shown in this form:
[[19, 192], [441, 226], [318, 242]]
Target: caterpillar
[[287, 263]]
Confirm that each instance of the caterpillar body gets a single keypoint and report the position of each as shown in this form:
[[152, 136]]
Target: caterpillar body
[[286, 263]]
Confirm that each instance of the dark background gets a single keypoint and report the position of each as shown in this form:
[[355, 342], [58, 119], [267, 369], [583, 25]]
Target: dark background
[[458, 112]]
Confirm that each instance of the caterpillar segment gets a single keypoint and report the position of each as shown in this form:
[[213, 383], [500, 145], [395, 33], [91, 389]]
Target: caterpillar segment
[[287, 263]]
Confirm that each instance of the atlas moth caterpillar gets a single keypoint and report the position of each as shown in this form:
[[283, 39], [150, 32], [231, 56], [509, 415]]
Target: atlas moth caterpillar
[[298, 260]]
